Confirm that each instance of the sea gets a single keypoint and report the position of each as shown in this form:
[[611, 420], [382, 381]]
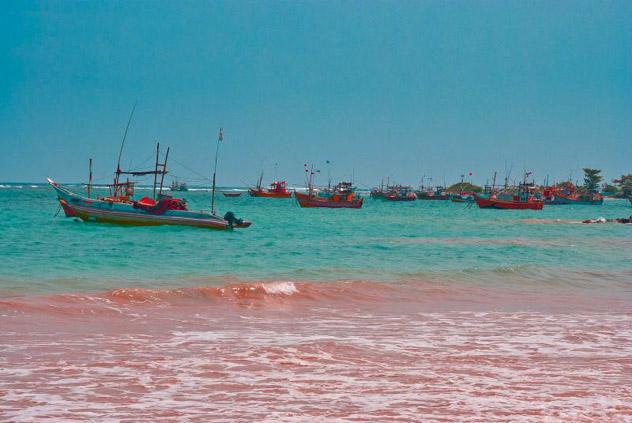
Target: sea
[[425, 311]]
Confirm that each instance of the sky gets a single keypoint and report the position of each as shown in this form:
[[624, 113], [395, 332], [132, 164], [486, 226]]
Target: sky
[[399, 89]]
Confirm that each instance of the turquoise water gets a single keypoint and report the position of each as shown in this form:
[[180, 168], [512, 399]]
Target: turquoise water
[[382, 242]]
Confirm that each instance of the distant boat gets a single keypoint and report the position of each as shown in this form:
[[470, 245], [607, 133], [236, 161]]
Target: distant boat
[[521, 200], [438, 193], [555, 196], [462, 197], [516, 203], [400, 193], [342, 196], [278, 189], [231, 194], [178, 186]]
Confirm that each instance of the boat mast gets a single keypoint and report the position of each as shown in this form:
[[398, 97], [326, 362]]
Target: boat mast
[[219, 138], [164, 171], [156, 169], [118, 163], [90, 178]]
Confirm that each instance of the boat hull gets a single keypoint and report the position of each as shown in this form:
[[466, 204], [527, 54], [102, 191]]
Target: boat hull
[[95, 210], [268, 194], [232, 194], [563, 200], [494, 203], [314, 202]]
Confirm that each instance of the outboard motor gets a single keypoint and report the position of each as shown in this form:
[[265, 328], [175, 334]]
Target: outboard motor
[[232, 220]]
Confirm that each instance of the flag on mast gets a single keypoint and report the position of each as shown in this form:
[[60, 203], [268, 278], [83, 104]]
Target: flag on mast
[[221, 134]]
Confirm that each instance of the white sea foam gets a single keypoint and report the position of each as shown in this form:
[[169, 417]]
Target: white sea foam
[[280, 287]]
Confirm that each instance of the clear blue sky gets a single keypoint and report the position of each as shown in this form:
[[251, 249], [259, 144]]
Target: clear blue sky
[[380, 88]]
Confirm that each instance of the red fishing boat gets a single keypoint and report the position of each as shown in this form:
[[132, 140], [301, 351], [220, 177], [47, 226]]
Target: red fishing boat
[[523, 199], [516, 203], [342, 196], [278, 189], [556, 195]]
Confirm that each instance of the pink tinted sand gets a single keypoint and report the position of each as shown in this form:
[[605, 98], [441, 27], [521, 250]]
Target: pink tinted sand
[[344, 351]]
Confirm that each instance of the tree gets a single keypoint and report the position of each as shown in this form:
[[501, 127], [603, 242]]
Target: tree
[[463, 187], [624, 184], [609, 189], [592, 178]]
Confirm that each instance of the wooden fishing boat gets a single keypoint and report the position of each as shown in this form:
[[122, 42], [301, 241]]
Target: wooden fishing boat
[[278, 189], [341, 196], [463, 197], [516, 203], [333, 202], [178, 186], [165, 210], [400, 193], [438, 193], [231, 194], [119, 207], [583, 200], [522, 199]]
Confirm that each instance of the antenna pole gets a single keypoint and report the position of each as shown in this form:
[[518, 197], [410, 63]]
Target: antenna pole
[[219, 138], [164, 171], [90, 178], [118, 162], [156, 168]]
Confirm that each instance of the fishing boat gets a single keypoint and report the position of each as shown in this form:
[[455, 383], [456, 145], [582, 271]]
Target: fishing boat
[[522, 199], [462, 197], [517, 202], [231, 194], [178, 186], [400, 193], [341, 196], [278, 189], [557, 196], [438, 193], [164, 210], [161, 209]]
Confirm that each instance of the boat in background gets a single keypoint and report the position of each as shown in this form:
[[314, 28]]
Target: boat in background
[[462, 197], [523, 199], [556, 196], [231, 194], [341, 196], [438, 193], [178, 186], [278, 189], [400, 193]]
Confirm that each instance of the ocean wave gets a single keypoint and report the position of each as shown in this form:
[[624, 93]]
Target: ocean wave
[[501, 288]]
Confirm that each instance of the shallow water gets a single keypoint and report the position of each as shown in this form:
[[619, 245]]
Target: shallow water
[[422, 311]]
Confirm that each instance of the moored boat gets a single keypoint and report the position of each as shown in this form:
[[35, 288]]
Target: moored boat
[[555, 196], [462, 197], [165, 210], [400, 193], [120, 208], [341, 196], [438, 193], [278, 189], [231, 194], [178, 186], [515, 203]]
